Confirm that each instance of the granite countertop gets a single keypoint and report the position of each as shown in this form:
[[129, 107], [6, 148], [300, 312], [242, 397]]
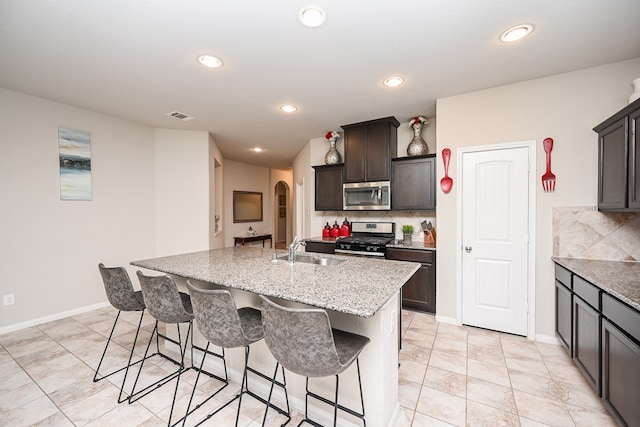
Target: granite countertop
[[415, 244], [359, 286], [618, 278]]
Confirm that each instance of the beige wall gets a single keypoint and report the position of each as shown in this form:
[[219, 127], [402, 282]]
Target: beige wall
[[51, 248], [244, 177], [564, 107], [182, 188]]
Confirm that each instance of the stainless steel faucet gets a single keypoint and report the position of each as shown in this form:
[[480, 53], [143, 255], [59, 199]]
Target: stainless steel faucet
[[293, 247]]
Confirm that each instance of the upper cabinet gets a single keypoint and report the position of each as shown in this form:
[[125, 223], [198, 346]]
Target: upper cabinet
[[413, 183], [328, 187], [619, 160], [368, 149]]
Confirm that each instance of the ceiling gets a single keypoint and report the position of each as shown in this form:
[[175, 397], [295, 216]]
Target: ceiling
[[137, 59]]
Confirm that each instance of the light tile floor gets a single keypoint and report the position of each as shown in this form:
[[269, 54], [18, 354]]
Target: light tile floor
[[449, 375]]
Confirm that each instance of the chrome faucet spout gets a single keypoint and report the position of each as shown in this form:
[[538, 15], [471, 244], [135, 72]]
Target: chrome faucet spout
[[293, 247]]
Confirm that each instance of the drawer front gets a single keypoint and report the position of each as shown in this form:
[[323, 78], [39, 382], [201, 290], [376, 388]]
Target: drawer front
[[587, 291], [622, 315], [424, 257], [563, 276]]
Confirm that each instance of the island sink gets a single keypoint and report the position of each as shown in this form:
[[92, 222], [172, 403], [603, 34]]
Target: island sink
[[307, 259]]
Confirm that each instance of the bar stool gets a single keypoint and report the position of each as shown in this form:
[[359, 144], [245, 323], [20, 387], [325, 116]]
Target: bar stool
[[303, 341], [122, 297], [226, 326], [167, 305]]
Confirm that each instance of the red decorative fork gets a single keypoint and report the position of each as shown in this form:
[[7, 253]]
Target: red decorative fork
[[548, 179]]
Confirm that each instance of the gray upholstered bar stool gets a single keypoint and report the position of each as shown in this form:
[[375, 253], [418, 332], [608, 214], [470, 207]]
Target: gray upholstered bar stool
[[223, 324], [167, 305], [303, 341], [122, 297]]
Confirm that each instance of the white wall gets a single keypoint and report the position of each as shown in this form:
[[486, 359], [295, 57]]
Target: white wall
[[564, 107], [51, 248], [285, 176]]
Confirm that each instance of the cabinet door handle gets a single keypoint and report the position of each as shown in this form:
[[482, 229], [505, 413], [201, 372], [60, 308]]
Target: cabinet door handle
[[467, 248]]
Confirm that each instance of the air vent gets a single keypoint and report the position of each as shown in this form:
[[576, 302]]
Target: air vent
[[180, 116]]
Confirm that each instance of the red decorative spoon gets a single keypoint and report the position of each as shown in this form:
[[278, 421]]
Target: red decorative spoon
[[446, 183]]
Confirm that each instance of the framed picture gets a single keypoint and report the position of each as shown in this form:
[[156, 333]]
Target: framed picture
[[247, 206], [282, 200], [74, 158], [283, 212]]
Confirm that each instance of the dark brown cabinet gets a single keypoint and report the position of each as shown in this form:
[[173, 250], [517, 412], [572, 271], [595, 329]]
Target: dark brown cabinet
[[586, 346], [564, 318], [368, 149], [413, 183], [419, 293], [564, 308], [605, 338], [320, 247], [586, 330], [621, 360], [328, 187], [619, 160]]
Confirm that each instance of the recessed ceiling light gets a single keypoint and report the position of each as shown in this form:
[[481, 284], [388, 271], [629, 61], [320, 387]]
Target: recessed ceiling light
[[393, 81], [210, 61], [312, 16], [516, 33], [288, 108], [257, 149]]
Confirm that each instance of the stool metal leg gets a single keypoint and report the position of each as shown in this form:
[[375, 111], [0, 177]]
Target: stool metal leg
[[128, 365], [334, 403]]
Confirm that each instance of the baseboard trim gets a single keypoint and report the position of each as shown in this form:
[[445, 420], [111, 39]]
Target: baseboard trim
[[448, 320], [52, 317]]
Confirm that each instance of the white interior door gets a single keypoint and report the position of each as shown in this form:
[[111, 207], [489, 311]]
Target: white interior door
[[495, 235]]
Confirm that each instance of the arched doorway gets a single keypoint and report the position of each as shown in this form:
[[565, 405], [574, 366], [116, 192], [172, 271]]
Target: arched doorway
[[281, 215]]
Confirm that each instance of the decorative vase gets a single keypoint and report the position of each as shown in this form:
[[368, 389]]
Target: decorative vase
[[417, 146], [636, 90], [333, 156]]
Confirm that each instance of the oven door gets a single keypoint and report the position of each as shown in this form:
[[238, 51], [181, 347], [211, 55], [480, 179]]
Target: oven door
[[360, 253], [367, 196]]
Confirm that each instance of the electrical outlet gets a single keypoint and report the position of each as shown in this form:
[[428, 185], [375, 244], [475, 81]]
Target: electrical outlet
[[9, 299]]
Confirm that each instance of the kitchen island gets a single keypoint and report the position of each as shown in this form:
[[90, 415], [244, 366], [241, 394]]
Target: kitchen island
[[361, 296]]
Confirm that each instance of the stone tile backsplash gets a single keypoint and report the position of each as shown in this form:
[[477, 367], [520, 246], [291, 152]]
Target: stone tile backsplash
[[584, 232]]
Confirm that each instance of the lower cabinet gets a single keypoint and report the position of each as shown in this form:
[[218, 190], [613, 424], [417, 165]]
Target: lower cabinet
[[419, 293], [323, 248], [604, 341], [564, 316], [620, 375], [586, 343]]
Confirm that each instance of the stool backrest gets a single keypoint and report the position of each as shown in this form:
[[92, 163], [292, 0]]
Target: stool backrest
[[119, 289], [217, 317], [163, 300], [300, 339]]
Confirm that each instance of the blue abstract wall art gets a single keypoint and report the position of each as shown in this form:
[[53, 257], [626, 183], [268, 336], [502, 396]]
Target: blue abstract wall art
[[74, 148]]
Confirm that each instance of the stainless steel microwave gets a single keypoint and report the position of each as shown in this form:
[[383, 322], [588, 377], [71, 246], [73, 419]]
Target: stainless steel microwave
[[367, 196]]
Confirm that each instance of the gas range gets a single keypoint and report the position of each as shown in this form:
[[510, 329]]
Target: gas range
[[367, 239]]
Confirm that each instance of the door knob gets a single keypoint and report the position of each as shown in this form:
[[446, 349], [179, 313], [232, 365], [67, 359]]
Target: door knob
[[467, 248]]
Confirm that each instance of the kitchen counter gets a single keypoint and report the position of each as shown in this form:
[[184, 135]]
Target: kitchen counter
[[322, 239], [415, 245], [361, 295], [359, 286], [618, 278]]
